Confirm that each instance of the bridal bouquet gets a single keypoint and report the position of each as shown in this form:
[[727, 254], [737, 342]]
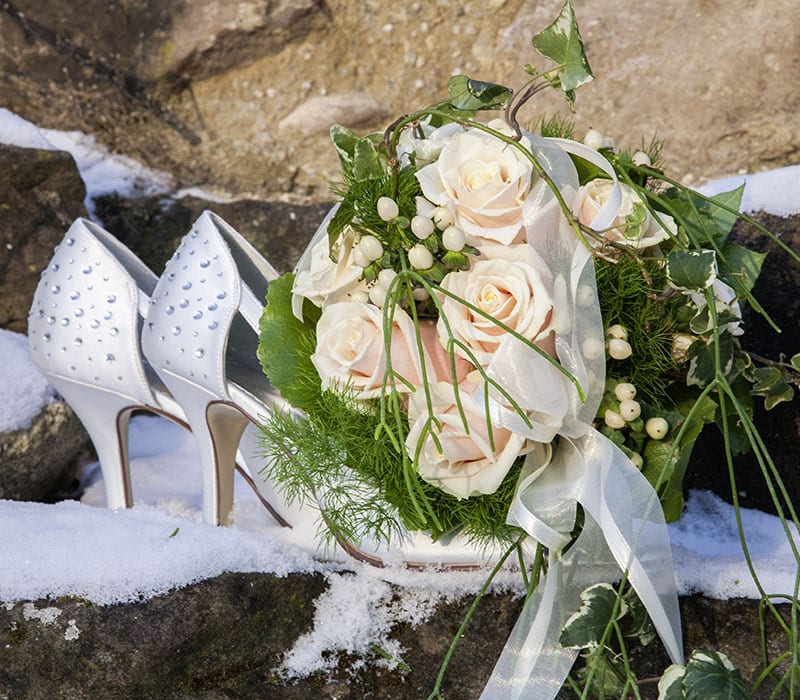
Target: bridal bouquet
[[508, 334]]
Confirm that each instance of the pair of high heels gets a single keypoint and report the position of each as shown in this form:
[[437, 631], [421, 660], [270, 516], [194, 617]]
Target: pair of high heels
[[112, 337]]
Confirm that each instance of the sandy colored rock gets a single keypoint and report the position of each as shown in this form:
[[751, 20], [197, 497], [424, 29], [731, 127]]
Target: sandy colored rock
[[718, 82], [316, 115]]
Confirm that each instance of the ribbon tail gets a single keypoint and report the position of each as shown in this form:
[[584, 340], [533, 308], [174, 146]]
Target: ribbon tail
[[533, 665], [626, 509]]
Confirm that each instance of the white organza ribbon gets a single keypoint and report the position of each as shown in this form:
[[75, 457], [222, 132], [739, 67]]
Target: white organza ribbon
[[624, 529]]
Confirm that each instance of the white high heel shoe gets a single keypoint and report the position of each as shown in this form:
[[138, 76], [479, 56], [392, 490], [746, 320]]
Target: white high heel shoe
[[84, 329], [201, 337]]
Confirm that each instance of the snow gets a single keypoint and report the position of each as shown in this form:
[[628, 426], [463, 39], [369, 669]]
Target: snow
[[102, 172], [23, 390], [82, 549]]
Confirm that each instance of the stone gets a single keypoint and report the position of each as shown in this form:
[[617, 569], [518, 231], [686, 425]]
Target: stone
[[40, 463], [317, 114], [225, 637], [199, 89], [41, 193], [153, 226]]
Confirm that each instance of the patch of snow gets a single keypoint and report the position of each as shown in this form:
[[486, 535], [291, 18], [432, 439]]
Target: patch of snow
[[774, 191], [23, 389]]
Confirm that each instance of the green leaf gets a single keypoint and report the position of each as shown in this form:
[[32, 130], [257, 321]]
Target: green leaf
[[722, 218], [368, 162], [585, 628], [740, 267], [769, 383], [561, 42], [286, 343], [795, 361], [344, 141], [711, 676], [470, 95], [691, 270], [670, 685]]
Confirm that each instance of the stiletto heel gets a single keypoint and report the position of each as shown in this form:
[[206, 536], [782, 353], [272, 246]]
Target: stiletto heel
[[83, 328], [217, 429], [105, 416]]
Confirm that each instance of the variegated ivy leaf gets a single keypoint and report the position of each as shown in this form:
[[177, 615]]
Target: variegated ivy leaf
[[711, 676], [585, 628], [691, 270], [670, 685], [472, 95], [358, 155], [796, 361], [561, 42], [702, 367], [769, 383]]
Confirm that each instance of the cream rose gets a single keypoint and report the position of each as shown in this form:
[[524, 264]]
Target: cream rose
[[328, 281], [351, 351], [466, 465], [634, 225], [510, 290], [484, 182]]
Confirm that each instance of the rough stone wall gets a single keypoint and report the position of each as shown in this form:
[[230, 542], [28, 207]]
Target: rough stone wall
[[239, 96]]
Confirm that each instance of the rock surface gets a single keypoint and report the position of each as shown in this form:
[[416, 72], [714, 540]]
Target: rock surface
[[200, 89], [225, 638], [40, 195], [41, 462]]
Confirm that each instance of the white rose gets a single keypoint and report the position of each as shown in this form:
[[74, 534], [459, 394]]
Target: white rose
[[328, 281], [725, 298], [467, 465], [509, 289], [351, 351], [484, 182], [634, 225]]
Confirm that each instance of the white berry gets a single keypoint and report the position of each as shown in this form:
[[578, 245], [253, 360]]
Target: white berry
[[637, 460], [613, 420], [421, 227], [370, 247], [624, 391], [593, 139], [442, 217], [630, 410], [387, 208], [617, 331], [453, 238], [656, 428], [385, 277], [641, 158], [360, 296], [420, 258], [377, 295], [619, 349], [420, 294], [359, 258]]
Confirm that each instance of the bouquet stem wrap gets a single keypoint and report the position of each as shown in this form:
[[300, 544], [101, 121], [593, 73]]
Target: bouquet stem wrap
[[624, 528]]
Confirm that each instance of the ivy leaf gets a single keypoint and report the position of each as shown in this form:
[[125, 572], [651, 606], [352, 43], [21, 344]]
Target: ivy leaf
[[561, 42], [670, 685], [711, 676], [691, 270], [795, 361], [585, 628], [471, 95], [722, 218], [740, 267], [344, 141], [368, 162], [769, 383], [702, 367], [286, 343]]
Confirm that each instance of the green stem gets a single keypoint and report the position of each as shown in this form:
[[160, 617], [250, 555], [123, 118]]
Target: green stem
[[436, 693]]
